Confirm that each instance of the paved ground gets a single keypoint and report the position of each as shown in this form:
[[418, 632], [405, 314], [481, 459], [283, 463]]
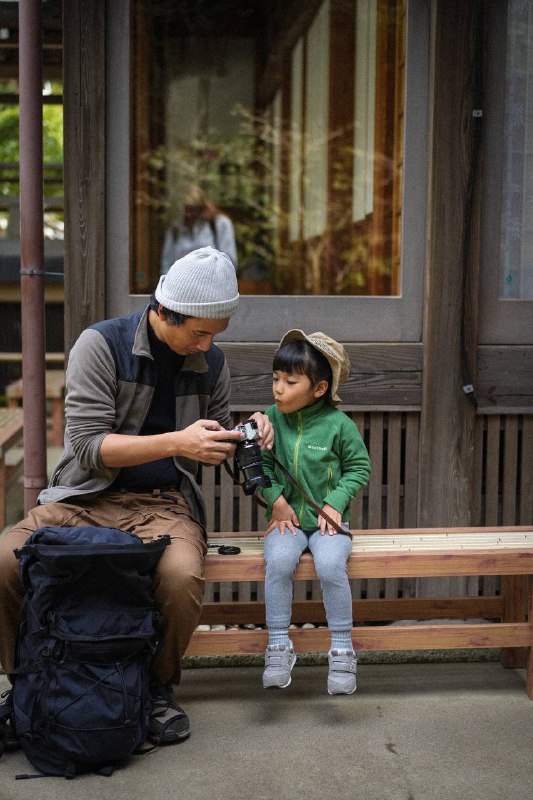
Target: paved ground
[[442, 731]]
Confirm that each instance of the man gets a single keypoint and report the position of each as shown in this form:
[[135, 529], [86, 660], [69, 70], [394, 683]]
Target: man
[[147, 400]]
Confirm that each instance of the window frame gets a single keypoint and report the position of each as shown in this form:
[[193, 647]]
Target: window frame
[[260, 318]]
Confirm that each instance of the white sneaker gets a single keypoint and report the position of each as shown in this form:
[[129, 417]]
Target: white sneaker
[[279, 661], [342, 672]]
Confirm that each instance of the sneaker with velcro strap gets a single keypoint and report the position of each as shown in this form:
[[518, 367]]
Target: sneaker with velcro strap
[[279, 661], [342, 672]]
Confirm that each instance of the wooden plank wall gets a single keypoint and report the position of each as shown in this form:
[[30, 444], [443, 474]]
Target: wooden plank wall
[[84, 92]]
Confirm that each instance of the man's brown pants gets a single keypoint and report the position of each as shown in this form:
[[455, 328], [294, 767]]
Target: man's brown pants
[[179, 582]]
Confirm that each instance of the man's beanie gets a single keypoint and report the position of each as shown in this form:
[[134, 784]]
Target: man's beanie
[[201, 284]]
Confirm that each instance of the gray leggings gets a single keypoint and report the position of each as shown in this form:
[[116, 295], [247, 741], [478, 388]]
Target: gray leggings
[[330, 554]]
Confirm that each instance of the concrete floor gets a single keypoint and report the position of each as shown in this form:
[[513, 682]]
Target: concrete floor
[[440, 731]]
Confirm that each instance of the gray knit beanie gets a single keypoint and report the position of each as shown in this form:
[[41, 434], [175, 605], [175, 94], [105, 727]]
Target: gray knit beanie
[[201, 284]]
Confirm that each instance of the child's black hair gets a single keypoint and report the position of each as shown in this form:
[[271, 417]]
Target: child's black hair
[[301, 358]]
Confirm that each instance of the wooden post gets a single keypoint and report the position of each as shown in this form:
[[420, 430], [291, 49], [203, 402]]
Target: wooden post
[[450, 312], [84, 110]]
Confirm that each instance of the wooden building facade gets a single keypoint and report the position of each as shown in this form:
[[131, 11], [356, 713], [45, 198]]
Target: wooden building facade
[[414, 285]]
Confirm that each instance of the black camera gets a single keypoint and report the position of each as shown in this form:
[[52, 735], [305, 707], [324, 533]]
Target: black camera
[[248, 458]]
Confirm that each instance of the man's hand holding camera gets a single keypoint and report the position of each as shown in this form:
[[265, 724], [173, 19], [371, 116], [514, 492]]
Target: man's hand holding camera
[[205, 441], [208, 442]]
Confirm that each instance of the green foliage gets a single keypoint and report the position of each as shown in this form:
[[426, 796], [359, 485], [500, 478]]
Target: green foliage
[[9, 142]]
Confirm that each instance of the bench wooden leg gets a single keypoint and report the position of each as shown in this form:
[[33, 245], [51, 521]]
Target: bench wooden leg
[[529, 665], [514, 590]]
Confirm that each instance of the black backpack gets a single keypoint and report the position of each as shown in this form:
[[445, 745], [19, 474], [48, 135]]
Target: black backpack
[[80, 700]]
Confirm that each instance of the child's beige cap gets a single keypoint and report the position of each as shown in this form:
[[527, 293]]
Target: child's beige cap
[[332, 350]]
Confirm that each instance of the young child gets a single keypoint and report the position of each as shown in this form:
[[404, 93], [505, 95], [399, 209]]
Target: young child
[[323, 450]]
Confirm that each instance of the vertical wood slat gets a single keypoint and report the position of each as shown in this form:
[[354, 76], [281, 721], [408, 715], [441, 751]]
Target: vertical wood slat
[[356, 505], [526, 472], [208, 491], [412, 423], [410, 487], [375, 488], [226, 524], [226, 501], [478, 471], [492, 480], [492, 470], [244, 589], [510, 470], [394, 444], [473, 582]]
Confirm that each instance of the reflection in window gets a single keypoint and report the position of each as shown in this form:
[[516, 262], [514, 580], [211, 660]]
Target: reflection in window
[[295, 160], [290, 117], [365, 92], [517, 202]]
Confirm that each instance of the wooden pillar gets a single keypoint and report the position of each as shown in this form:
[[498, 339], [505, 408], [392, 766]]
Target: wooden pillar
[[451, 280], [84, 157]]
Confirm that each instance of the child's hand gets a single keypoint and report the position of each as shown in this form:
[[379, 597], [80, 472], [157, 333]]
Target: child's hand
[[335, 515], [283, 516]]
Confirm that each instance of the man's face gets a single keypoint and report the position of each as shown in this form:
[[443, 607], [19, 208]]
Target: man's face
[[194, 336]]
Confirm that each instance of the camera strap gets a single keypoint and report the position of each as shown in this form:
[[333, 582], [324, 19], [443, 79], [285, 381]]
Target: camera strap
[[297, 486], [311, 502]]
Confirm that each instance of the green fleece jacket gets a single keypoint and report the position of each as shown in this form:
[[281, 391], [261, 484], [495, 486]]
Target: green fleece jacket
[[323, 450]]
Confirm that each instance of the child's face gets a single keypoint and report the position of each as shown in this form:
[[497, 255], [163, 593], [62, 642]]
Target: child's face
[[293, 392]]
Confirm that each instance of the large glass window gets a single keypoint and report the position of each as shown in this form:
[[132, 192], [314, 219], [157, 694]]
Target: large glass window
[[506, 276], [279, 123]]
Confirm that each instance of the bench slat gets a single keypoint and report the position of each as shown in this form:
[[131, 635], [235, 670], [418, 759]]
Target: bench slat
[[409, 637], [253, 611]]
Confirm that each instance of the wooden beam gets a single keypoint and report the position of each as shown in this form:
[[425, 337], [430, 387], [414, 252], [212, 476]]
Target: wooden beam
[[450, 313], [409, 637], [84, 153], [241, 613], [383, 375]]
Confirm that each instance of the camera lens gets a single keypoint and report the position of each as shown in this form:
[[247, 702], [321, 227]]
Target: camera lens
[[249, 461]]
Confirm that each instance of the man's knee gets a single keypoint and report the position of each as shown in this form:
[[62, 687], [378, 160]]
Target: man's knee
[[9, 565], [180, 570]]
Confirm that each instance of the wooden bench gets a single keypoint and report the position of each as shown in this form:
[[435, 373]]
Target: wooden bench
[[11, 424], [415, 553], [55, 393]]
